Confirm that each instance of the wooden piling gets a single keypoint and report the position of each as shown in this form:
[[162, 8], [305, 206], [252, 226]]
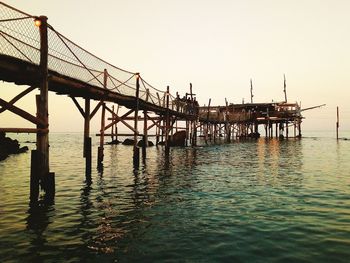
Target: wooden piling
[[34, 178], [40, 159], [112, 128], [102, 132], [88, 159], [337, 124], [145, 135], [167, 143], [87, 140], [86, 124], [100, 149], [136, 151]]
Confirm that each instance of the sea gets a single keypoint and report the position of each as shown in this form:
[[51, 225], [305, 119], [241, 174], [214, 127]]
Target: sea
[[245, 201]]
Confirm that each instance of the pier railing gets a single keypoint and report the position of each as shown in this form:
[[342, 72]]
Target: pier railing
[[20, 38]]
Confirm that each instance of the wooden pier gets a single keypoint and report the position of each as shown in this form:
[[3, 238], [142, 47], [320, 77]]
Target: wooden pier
[[34, 54]]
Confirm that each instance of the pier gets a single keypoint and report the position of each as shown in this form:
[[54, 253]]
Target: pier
[[34, 54]]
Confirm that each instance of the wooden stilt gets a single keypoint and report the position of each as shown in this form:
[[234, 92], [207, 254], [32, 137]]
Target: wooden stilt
[[87, 140], [337, 124], [145, 135], [167, 143], [136, 151], [40, 159], [102, 132], [112, 128], [86, 124]]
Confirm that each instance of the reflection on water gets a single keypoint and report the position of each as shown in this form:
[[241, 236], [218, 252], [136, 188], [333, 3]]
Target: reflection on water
[[244, 201]]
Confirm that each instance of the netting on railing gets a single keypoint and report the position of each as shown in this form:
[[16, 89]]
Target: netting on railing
[[20, 38]]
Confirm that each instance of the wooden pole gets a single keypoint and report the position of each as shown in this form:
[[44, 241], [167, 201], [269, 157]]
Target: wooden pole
[[251, 91], [227, 126], [112, 129], [208, 113], [86, 123], [116, 126], [40, 159], [87, 140], [145, 135], [102, 131], [337, 124], [167, 143], [136, 151], [285, 88]]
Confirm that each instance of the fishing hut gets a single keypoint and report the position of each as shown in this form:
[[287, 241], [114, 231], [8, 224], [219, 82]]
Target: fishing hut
[[243, 120]]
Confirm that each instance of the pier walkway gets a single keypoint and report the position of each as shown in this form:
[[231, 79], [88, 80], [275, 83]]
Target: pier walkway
[[33, 53]]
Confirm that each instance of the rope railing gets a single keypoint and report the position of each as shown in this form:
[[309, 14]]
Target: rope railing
[[20, 38]]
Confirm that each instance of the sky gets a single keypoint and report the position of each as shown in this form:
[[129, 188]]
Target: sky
[[217, 45]]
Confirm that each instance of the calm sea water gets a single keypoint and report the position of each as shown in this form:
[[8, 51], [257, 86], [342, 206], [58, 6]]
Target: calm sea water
[[253, 201]]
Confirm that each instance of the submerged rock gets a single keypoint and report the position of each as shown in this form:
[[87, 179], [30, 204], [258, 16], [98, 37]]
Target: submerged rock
[[116, 141], [128, 142], [178, 139], [141, 143], [9, 146]]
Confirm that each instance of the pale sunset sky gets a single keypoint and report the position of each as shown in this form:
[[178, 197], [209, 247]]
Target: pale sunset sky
[[217, 45]]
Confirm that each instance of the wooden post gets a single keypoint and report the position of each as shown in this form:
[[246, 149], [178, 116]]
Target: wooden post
[[112, 128], [88, 159], [100, 154], [86, 124], [34, 176], [136, 151], [337, 124], [167, 143], [287, 130], [116, 126], [285, 89], [87, 139], [295, 128], [102, 131], [208, 113], [40, 159], [145, 135], [251, 91], [157, 132], [187, 132], [227, 126]]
